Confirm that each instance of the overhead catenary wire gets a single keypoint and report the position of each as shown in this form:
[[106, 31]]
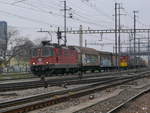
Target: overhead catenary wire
[[18, 1], [89, 23], [88, 17], [24, 27], [41, 9], [85, 18], [27, 18], [37, 9], [38, 21], [80, 10], [99, 11], [138, 21], [85, 15], [49, 5]]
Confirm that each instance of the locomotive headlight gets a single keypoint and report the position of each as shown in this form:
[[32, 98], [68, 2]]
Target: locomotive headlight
[[33, 63], [46, 62]]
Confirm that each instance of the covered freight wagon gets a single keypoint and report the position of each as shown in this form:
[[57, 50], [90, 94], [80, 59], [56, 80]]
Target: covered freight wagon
[[89, 58], [105, 59]]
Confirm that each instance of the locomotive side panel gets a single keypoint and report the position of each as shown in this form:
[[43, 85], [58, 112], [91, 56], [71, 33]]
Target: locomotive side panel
[[88, 58], [67, 56]]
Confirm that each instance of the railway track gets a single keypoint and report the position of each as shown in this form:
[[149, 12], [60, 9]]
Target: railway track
[[27, 85], [66, 80], [117, 108], [39, 101], [18, 74]]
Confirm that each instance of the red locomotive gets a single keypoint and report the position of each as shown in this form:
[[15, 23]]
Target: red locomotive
[[51, 58]]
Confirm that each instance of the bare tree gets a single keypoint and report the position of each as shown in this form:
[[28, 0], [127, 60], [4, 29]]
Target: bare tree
[[24, 50], [15, 45], [5, 47]]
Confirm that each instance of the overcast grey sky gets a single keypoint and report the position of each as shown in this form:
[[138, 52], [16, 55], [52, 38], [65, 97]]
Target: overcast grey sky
[[31, 15]]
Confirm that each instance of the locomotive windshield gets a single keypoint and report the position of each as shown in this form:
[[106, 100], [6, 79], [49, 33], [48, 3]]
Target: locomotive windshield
[[34, 52], [47, 51]]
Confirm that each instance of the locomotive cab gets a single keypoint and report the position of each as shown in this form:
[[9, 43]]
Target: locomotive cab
[[42, 59], [40, 55]]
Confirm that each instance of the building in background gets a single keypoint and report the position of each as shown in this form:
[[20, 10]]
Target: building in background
[[3, 36]]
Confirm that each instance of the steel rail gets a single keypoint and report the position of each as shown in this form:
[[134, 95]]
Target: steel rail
[[114, 110], [16, 106], [35, 77], [54, 83], [135, 78], [57, 81]]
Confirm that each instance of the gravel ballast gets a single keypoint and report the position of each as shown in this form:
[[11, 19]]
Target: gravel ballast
[[128, 90], [140, 105], [5, 96]]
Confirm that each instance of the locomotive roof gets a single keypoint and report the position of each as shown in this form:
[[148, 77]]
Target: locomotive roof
[[92, 50], [83, 49], [104, 52], [87, 50]]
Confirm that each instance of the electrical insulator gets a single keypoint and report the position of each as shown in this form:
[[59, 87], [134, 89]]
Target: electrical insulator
[[70, 15]]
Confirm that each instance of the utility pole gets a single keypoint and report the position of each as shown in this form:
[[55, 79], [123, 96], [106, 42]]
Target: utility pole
[[113, 49], [85, 43], [81, 37], [139, 46], [65, 9], [134, 39], [81, 45], [130, 39], [65, 22], [116, 4], [119, 48], [119, 34]]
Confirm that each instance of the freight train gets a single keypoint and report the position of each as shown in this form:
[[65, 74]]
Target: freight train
[[50, 59]]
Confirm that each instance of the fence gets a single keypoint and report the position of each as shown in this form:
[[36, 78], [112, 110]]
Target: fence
[[15, 69]]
